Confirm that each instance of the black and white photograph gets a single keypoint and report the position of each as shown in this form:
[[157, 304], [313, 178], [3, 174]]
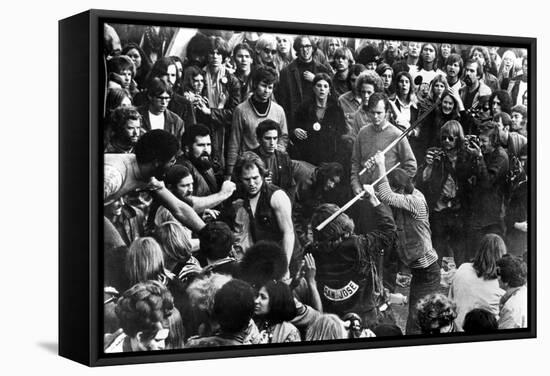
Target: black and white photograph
[[410, 242], [273, 188]]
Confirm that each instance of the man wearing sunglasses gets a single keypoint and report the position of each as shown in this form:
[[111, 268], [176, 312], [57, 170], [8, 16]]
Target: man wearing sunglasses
[[296, 82], [266, 52], [442, 179]]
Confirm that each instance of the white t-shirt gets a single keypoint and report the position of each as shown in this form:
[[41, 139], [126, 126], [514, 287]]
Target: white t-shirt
[[427, 76], [470, 291], [157, 121]]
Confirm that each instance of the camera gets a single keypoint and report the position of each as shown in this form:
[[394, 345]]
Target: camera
[[470, 140], [437, 154]]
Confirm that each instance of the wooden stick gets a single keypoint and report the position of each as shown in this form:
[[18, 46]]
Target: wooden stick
[[353, 201], [405, 133]]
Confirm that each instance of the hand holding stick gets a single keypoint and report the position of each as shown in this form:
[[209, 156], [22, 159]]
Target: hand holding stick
[[352, 201]]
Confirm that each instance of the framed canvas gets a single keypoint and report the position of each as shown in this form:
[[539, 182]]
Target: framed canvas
[[276, 188]]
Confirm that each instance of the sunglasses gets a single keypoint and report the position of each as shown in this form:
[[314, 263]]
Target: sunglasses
[[450, 138], [270, 51]]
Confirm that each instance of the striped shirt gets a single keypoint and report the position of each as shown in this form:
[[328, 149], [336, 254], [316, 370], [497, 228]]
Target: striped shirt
[[416, 205]]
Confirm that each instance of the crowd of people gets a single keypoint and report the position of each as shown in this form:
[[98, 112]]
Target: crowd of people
[[229, 155]]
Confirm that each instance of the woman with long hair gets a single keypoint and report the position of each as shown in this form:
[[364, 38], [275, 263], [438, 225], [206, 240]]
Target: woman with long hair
[[319, 125], [284, 49], [327, 327], [404, 105], [475, 284], [506, 70], [404, 110], [274, 308], [437, 87], [329, 45], [447, 108], [141, 62], [176, 245], [145, 261]]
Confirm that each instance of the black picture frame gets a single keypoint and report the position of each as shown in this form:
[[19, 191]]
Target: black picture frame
[[80, 177]]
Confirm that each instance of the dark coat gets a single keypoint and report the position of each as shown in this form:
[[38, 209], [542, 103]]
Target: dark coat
[[219, 121], [292, 87], [345, 269], [322, 145], [441, 169], [490, 188], [172, 122]]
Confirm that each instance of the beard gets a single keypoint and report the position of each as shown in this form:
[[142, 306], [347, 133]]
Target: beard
[[203, 162]]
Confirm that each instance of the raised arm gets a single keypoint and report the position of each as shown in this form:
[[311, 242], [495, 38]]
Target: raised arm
[[179, 209], [310, 274], [411, 203], [207, 202]]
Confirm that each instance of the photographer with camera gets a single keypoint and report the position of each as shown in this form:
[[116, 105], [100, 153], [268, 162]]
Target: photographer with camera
[[443, 178], [488, 184]]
